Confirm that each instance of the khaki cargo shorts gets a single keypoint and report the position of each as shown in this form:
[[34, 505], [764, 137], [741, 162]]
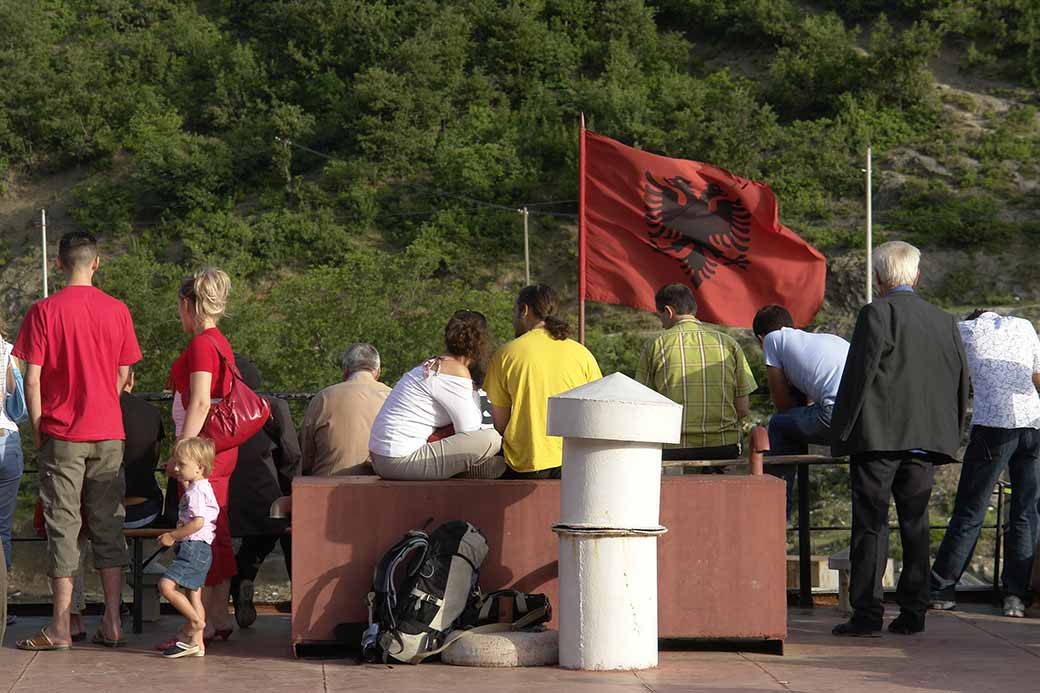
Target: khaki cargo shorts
[[91, 472]]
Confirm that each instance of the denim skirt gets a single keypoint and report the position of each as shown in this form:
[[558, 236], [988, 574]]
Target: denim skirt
[[190, 564]]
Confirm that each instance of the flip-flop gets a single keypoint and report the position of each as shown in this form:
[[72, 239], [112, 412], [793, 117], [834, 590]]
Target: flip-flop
[[183, 649], [41, 642], [100, 639], [80, 636]]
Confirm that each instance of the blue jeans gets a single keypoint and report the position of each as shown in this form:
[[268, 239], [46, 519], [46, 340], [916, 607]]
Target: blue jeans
[[790, 433], [989, 451], [11, 467]]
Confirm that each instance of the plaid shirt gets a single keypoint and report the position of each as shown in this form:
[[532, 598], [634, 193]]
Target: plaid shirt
[[705, 371]]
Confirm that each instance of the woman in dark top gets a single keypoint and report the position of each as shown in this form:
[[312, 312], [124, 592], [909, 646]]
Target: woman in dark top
[[267, 463], [144, 433], [198, 376]]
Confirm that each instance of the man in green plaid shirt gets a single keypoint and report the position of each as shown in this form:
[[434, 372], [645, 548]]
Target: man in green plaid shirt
[[702, 369]]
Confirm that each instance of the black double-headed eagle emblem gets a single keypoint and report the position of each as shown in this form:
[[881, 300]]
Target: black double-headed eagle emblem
[[699, 231]]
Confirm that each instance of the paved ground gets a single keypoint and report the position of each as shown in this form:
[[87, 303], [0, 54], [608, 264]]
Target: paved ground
[[969, 650]]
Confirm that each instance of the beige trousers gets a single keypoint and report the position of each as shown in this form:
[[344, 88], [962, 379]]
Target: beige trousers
[[82, 481], [471, 455]]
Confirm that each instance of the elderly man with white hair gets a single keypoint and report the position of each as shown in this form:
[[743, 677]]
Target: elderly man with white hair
[[338, 422], [900, 409]]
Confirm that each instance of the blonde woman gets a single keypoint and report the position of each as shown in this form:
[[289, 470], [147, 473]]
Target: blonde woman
[[197, 377]]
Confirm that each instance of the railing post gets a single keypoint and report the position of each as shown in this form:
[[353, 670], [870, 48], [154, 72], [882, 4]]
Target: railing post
[[758, 444]]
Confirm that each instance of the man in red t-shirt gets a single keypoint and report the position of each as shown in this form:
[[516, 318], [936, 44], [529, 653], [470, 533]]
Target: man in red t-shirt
[[79, 345]]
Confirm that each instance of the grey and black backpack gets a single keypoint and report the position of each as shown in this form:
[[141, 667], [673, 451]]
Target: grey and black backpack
[[420, 588]]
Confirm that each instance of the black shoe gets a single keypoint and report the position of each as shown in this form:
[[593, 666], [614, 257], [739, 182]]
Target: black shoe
[[245, 612], [905, 624], [856, 630]]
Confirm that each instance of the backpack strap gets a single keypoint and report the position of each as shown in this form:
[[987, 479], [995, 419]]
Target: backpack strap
[[527, 616], [459, 634]]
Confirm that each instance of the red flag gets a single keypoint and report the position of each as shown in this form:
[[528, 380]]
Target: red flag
[[648, 220]]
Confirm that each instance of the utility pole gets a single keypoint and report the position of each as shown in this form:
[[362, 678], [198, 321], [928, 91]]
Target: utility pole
[[527, 248], [43, 241], [870, 230]]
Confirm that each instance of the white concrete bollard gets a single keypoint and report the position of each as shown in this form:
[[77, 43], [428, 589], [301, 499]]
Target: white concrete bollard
[[610, 505]]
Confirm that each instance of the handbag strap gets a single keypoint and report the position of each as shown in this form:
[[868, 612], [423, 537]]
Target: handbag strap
[[235, 374]]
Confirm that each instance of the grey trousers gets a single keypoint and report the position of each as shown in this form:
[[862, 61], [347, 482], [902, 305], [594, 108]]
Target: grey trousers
[[470, 454]]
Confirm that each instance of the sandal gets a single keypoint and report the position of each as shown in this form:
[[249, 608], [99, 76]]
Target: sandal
[[100, 639], [41, 642], [165, 645], [80, 636], [183, 649], [180, 636]]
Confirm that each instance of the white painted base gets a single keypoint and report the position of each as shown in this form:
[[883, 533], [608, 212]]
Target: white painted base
[[608, 602]]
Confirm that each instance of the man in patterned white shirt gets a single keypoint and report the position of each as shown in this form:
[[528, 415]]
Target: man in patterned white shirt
[[1004, 360]]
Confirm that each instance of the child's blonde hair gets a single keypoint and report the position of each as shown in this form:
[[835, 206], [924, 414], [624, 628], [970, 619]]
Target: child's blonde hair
[[198, 450]]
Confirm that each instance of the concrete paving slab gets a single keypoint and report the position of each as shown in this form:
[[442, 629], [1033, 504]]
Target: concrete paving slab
[[971, 649]]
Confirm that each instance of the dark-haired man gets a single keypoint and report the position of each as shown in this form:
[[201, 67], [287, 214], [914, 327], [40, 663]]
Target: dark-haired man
[[79, 345], [704, 370], [804, 370], [540, 363]]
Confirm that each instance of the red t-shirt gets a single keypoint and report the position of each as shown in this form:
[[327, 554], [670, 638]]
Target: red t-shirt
[[79, 337], [201, 355]]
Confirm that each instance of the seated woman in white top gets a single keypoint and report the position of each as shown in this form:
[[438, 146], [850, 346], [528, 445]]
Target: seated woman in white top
[[439, 392]]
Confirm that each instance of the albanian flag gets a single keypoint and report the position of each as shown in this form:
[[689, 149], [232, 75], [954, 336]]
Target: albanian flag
[[647, 221]]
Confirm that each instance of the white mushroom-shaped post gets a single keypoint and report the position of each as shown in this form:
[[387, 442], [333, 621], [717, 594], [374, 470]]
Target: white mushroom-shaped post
[[610, 503]]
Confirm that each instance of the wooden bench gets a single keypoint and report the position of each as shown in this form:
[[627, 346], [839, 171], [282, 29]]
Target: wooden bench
[[136, 537]]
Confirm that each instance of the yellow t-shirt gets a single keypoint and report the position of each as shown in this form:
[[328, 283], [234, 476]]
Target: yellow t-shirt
[[522, 376]]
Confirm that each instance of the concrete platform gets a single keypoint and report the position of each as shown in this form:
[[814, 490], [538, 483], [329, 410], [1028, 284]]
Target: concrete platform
[[973, 649]]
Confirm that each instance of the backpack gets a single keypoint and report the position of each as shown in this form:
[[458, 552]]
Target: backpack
[[410, 615]]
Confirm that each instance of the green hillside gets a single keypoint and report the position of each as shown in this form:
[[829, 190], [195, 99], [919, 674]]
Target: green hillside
[[356, 165], [170, 122]]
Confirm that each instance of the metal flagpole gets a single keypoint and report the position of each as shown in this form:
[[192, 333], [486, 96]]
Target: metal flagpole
[[527, 250], [870, 231], [581, 232], [43, 241]]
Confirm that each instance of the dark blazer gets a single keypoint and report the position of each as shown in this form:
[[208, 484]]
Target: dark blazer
[[905, 385], [267, 463]]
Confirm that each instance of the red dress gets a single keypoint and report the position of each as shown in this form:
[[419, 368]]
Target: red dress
[[202, 355]]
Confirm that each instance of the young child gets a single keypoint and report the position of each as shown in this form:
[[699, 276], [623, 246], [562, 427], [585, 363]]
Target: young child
[[192, 460]]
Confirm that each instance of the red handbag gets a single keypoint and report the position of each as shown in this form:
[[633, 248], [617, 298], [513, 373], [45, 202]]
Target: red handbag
[[238, 416]]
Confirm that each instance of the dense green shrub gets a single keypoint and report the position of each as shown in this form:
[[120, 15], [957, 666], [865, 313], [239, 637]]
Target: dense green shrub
[[948, 218]]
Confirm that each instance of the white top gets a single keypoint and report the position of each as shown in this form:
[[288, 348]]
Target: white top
[[5, 358], [811, 361], [199, 501], [421, 401], [1003, 354]]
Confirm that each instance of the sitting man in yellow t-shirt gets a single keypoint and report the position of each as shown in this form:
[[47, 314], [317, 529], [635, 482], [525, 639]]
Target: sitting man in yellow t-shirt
[[540, 363]]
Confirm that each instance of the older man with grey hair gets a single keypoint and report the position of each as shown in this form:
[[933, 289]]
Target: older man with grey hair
[[338, 422], [900, 408]]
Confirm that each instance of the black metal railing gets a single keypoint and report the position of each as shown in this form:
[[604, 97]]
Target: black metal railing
[[805, 587]]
